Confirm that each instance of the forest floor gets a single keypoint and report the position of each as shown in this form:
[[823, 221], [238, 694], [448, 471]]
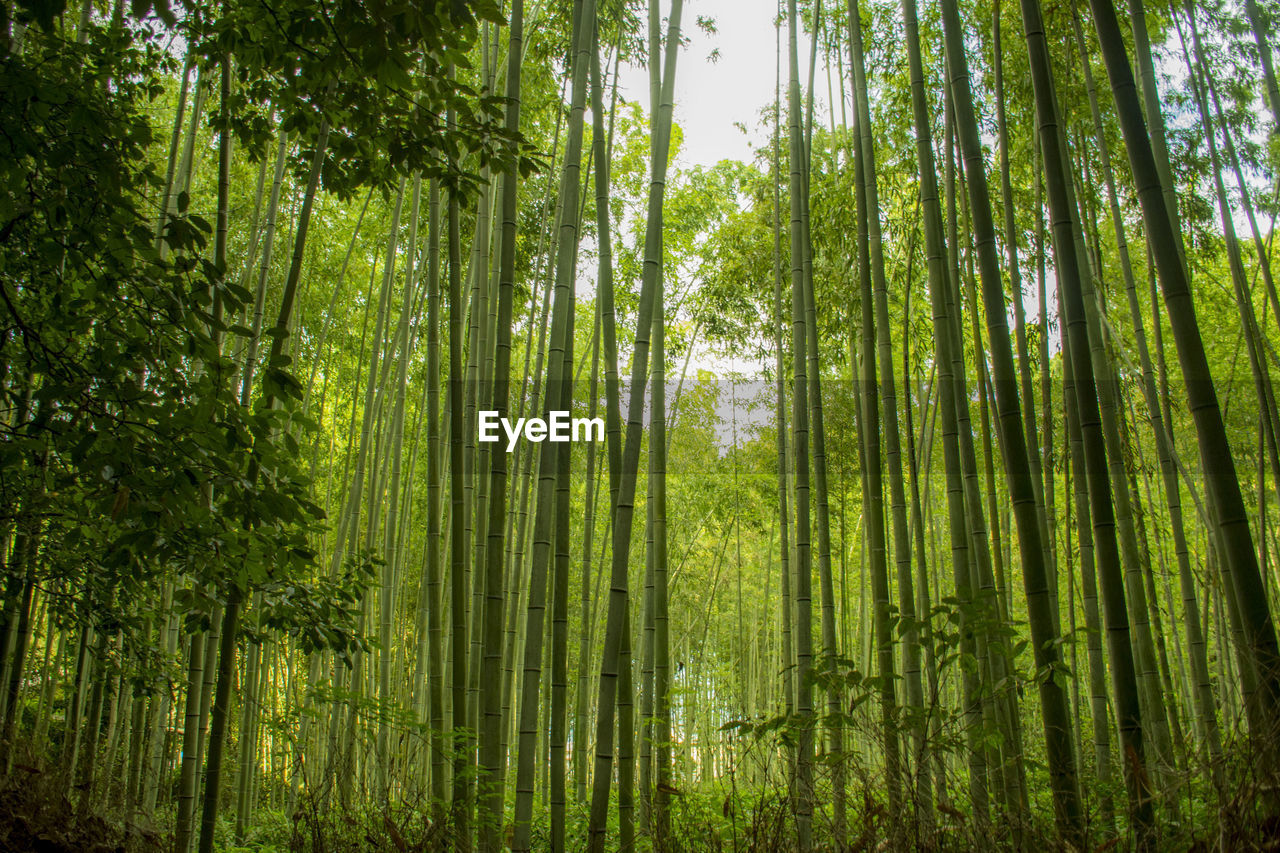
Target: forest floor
[[39, 815]]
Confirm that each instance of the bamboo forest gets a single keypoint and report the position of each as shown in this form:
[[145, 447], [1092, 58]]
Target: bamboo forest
[[639, 425]]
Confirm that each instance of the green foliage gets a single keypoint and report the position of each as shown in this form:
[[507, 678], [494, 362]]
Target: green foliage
[[140, 492], [378, 73], [123, 419]]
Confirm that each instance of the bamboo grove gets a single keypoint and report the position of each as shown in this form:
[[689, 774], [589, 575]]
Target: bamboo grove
[[972, 546]]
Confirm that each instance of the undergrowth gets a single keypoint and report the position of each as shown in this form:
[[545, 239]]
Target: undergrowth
[[39, 813]]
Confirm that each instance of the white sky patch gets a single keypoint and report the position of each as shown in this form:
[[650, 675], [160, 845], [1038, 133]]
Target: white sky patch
[[711, 96], [718, 105]]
